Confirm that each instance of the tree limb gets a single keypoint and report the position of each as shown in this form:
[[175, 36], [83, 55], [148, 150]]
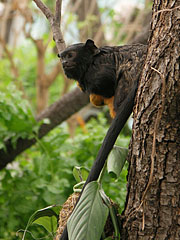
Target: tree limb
[[58, 11], [44, 10], [56, 113], [54, 21]]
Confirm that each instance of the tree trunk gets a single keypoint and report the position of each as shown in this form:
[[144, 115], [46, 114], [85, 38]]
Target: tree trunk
[[152, 209]]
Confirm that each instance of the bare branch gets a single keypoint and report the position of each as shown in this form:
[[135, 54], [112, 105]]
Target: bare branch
[[58, 11], [44, 9], [10, 57], [54, 22], [50, 78], [4, 19]]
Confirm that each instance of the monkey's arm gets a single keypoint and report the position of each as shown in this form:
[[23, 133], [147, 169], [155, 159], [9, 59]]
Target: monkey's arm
[[99, 100], [122, 115], [96, 100]]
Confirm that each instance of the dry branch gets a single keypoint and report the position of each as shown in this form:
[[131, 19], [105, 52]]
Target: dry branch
[[58, 11], [54, 21]]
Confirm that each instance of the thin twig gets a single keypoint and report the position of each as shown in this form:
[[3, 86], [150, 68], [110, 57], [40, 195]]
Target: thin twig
[[153, 154], [143, 217], [10, 57], [157, 122], [166, 10]]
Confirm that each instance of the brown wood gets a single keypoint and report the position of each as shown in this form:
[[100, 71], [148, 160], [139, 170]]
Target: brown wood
[[152, 209]]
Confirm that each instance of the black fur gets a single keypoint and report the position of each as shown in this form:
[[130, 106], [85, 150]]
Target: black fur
[[106, 71], [88, 65]]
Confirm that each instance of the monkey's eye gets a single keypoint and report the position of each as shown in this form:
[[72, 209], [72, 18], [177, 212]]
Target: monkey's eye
[[70, 55]]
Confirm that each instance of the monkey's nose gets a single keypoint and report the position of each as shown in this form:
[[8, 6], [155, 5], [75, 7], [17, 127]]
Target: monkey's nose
[[64, 62]]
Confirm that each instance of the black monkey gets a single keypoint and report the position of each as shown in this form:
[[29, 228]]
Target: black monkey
[[106, 73], [110, 73]]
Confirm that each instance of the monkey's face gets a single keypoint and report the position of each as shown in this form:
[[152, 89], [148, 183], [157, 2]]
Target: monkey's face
[[71, 60], [76, 58]]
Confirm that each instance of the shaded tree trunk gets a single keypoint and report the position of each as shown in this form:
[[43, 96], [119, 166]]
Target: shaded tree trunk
[[152, 208]]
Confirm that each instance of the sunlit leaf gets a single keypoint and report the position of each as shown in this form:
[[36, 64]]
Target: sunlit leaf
[[49, 223]]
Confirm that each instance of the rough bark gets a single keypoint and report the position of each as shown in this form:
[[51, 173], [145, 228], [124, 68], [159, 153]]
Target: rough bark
[[152, 208], [57, 113]]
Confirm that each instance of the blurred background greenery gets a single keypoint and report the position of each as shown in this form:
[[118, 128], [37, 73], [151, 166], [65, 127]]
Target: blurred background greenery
[[42, 175]]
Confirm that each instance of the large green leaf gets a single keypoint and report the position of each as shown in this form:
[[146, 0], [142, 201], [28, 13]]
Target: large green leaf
[[46, 217], [89, 216], [116, 161]]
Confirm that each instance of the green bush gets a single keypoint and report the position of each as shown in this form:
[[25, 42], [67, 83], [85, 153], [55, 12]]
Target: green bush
[[16, 117], [42, 175]]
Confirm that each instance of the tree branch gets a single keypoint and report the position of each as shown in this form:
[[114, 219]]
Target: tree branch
[[44, 9], [56, 113], [50, 78], [54, 21], [58, 11]]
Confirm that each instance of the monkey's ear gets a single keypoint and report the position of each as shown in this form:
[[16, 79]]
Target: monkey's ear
[[92, 47], [90, 42]]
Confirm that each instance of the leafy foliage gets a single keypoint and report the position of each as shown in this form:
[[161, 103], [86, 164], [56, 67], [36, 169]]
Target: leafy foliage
[[92, 209], [43, 176], [46, 217], [16, 117]]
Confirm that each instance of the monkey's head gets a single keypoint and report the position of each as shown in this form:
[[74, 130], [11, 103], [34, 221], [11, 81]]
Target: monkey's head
[[77, 57]]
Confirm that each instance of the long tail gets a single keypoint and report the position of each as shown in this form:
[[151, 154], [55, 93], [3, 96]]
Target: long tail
[[122, 115]]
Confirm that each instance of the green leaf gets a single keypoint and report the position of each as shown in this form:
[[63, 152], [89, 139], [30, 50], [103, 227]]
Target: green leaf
[[89, 216], [46, 217], [49, 223], [80, 173], [116, 161]]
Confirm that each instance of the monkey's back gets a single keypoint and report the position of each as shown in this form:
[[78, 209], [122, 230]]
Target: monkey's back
[[126, 62], [129, 61]]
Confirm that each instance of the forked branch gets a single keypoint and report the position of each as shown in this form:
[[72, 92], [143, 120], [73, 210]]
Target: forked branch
[[55, 22]]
